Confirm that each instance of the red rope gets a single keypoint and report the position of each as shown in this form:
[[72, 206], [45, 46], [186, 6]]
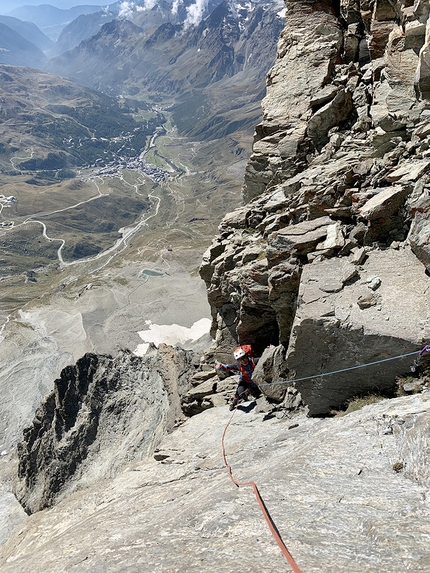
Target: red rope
[[273, 529]]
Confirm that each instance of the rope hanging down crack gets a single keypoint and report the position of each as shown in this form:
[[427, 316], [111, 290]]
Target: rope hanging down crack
[[273, 529]]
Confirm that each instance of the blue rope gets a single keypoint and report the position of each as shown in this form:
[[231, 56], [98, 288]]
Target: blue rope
[[342, 370]]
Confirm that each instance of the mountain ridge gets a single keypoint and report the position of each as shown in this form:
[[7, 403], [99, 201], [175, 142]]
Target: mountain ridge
[[28, 30], [51, 19], [225, 48], [17, 50]]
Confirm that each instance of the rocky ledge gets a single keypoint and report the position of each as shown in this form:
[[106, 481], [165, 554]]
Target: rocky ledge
[[105, 412], [330, 255]]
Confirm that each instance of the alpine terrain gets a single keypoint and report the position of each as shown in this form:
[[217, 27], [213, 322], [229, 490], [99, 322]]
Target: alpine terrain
[[144, 237]]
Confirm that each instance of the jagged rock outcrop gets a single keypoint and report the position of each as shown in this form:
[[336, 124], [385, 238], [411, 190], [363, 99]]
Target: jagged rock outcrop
[[103, 413], [330, 255]]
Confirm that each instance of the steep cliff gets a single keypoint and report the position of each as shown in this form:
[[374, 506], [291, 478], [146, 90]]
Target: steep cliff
[[330, 258], [330, 254], [103, 413]]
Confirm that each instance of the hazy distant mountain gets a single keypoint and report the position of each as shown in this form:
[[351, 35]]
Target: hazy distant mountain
[[29, 31], [7, 5], [17, 51], [186, 62], [87, 25], [83, 27], [49, 19]]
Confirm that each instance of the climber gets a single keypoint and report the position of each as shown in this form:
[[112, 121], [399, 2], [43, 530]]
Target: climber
[[416, 362], [245, 364]]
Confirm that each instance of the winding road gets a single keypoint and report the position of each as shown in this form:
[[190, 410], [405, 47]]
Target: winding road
[[126, 232]]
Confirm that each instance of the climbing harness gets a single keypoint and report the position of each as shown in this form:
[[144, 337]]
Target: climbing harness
[[273, 529]]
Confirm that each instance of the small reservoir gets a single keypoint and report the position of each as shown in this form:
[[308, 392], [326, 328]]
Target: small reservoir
[[151, 273]]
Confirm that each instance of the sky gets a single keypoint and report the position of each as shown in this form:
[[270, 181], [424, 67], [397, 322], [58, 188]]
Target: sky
[[8, 5]]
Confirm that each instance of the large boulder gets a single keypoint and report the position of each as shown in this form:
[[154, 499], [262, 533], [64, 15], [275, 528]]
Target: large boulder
[[270, 373], [419, 234], [374, 314]]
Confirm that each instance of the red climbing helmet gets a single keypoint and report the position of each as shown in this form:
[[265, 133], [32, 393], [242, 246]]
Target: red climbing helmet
[[244, 350], [239, 353]]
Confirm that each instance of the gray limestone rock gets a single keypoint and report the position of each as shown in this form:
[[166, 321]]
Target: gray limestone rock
[[413, 387], [374, 283], [384, 203], [335, 238], [299, 239], [12, 515], [348, 327], [420, 228], [419, 238], [344, 494], [367, 300], [102, 414], [308, 47], [339, 174], [410, 172], [333, 113], [270, 370]]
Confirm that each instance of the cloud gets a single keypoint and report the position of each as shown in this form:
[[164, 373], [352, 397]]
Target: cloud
[[195, 13], [175, 6], [126, 8]]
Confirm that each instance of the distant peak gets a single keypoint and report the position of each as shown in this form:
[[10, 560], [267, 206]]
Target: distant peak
[[119, 25]]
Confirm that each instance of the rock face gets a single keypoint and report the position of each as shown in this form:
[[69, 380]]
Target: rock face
[[347, 494], [102, 414], [324, 268], [349, 315], [105, 412], [333, 239]]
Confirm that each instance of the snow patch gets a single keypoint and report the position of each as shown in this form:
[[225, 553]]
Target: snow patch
[[172, 334]]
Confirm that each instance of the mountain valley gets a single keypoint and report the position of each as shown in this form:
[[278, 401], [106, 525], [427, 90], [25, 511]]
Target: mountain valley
[[266, 168], [99, 190], [83, 172]]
